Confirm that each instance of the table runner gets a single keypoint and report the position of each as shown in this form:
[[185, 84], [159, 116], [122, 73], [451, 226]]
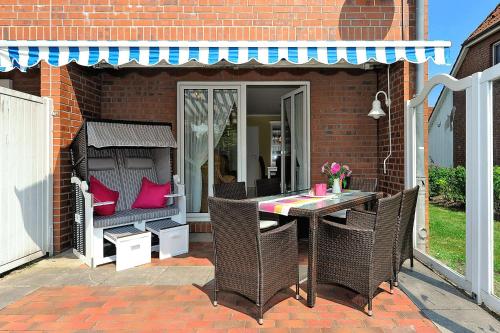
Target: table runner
[[283, 205]]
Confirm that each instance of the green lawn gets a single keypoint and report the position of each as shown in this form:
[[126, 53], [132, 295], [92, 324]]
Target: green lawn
[[447, 240]]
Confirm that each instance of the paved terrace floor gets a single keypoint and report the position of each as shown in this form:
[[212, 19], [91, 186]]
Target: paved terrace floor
[[60, 294]]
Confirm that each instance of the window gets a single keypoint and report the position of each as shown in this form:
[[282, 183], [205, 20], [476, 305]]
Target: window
[[496, 53]]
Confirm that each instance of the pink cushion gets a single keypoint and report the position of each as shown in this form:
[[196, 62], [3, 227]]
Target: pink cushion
[[152, 195], [102, 193]]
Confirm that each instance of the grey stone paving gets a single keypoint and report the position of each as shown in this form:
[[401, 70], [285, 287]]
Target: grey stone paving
[[446, 306]]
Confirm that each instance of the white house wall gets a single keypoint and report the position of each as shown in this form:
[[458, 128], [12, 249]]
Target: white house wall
[[441, 132]]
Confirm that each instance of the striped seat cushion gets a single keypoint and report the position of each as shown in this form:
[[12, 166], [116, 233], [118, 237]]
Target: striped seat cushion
[[134, 215]]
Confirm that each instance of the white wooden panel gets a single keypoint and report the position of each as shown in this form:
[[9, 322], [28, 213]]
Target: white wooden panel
[[25, 185], [441, 133]]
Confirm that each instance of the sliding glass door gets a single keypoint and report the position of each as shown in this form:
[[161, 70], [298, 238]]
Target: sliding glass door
[[209, 118]]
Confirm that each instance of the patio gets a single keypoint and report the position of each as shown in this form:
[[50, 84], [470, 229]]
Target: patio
[[62, 294]]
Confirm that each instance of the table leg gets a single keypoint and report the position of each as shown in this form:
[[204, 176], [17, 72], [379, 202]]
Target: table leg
[[311, 264]]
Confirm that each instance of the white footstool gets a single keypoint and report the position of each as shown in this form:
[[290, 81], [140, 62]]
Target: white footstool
[[133, 246], [173, 236]]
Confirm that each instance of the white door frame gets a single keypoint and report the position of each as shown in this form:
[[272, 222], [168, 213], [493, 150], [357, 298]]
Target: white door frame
[[478, 279], [242, 85]]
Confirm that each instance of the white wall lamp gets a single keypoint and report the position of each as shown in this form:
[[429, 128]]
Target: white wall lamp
[[376, 112]]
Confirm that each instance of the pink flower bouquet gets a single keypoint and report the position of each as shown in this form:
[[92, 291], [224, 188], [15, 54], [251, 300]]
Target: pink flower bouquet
[[336, 170]]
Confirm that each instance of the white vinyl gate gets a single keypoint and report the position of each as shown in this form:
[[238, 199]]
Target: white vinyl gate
[[25, 178], [478, 279]]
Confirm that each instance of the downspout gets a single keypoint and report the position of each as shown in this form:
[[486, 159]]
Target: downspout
[[421, 228]]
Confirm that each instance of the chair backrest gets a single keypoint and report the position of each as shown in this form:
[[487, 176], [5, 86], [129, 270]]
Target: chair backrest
[[268, 186], [103, 165], [122, 169], [363, 184], [236, 237], [385, 234], [406, 221], [235, 191], [135, 163]]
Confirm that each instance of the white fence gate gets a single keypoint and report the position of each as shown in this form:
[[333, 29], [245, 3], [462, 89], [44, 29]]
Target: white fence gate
[[478, 279], [25, 178]]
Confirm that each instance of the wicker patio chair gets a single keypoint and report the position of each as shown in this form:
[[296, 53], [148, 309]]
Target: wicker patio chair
[[362, 184], [247, 261], [268, 186], [237, 191], [358, 255], [403, 246]]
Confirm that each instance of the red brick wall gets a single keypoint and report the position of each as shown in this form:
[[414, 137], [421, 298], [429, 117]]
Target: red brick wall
[[28, 82], [66, 86], [205, 20], [402, 85], [478, 58]]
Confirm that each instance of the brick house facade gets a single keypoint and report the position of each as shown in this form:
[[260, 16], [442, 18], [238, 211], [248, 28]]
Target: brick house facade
[[340, 97]]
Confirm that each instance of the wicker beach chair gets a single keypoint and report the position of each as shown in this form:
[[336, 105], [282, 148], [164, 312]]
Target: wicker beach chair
[[247, 261], [358, 255], [403, 246]]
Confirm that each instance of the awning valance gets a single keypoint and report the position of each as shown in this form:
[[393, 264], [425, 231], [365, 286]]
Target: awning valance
[[115, 134], [25, 54]]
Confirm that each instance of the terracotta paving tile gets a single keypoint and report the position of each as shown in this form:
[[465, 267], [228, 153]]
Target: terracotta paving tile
[[195, 313], [188, 308]]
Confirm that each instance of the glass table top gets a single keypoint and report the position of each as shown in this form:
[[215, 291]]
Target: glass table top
[[315, 202]]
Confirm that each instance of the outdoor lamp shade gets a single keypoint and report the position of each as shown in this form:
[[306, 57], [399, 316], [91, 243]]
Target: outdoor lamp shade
[[376, 111]]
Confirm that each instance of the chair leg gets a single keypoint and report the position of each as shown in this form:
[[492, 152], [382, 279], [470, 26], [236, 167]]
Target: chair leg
[[297, 291], [370, 306], [396, 281], [261, 317], [411, 261], [391, 286], [215, 294]]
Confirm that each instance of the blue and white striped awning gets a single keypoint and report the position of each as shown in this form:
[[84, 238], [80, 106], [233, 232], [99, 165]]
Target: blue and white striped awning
[[25, 54]]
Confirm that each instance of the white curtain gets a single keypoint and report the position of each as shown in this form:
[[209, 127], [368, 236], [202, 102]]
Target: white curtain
[[195, 144], [196, 136]]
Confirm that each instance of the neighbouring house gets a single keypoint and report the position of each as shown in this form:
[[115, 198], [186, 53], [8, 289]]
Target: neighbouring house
[[480, 51], [300, 78]]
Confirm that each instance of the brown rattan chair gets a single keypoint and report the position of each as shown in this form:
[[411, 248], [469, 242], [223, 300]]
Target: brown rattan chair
[[362, 184], [268, 186], [403, 246], [237, 191], [247, 261], [358, 255]]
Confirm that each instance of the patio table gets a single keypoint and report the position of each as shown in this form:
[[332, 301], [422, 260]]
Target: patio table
[[298, 204]]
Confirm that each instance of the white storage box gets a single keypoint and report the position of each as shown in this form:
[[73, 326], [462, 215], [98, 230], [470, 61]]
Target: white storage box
[[174, 237], [133, 246]]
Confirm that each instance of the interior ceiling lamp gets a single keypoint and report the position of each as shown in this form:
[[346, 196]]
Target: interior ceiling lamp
[[376, 112]]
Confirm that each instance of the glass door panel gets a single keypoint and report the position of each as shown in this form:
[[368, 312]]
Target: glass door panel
[[283, 162], [196, 149], [299, 111], [294, 158], [225, 129]]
